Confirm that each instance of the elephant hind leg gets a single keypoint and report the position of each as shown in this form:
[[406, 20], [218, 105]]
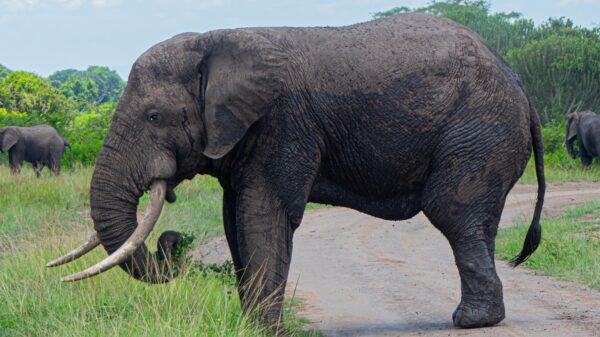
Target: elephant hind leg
[[464, 197], [471, 228], [586, 160], [54, 166]]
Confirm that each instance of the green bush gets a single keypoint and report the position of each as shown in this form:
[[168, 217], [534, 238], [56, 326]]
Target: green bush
[[553, 136], [13, 118]]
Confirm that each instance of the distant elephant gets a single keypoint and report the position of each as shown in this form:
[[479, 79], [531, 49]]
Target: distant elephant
[[583, 127], [41, 145], [391, 117]]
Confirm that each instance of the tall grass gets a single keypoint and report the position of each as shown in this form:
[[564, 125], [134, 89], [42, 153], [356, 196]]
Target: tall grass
[[41, 219], [559, 167], [33, 206], [570, 246], [36, 303]]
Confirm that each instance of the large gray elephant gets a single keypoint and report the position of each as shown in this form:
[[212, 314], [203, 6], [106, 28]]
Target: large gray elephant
[[40, 145], [583, 127], [390, 117]]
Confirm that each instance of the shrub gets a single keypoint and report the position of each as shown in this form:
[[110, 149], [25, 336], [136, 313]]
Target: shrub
[[561, 73]]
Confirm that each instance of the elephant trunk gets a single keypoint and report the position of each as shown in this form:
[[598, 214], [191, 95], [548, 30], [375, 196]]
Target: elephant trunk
[[570, 149], [114, 210], [114, 202]]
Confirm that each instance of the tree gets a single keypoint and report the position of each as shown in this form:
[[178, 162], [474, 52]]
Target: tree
[[95, 85], [61, 76], [79, 104], [561, 73], [4, 71], [503, 31], [26, 92]]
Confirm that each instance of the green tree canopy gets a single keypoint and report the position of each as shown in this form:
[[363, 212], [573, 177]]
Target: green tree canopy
[[4, 71], [503, 31], [61, 76], [94, 85], [79, 104], [26, 92], [561, 73]]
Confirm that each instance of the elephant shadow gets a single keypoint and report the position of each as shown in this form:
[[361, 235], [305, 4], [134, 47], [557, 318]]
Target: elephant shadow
[[391, 329]]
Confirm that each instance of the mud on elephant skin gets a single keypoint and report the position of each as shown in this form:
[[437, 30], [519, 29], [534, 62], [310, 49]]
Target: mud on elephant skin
[[40, 145], [584, 128], [390, 117]]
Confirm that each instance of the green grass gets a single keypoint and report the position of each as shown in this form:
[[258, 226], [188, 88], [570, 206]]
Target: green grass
[[559, 167], [41, 219], [570, 246]]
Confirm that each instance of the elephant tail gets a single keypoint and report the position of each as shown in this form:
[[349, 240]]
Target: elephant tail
[[534, 234], [71, 168]]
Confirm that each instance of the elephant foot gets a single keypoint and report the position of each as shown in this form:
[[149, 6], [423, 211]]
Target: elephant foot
[[476, 314]]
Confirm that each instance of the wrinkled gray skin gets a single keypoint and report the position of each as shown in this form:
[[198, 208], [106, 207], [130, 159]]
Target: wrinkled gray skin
[[390, 117], [583, 127], [40, 145]]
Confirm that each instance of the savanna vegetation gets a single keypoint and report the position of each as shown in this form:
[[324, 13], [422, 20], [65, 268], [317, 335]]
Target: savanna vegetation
[[78, 104], [43, 218], [570, 247]]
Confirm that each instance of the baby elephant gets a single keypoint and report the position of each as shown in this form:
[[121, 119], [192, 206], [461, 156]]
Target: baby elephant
[[41, 145]]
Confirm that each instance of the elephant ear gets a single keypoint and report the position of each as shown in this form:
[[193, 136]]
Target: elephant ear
[[572, 122], [243, 75], [9, 140]]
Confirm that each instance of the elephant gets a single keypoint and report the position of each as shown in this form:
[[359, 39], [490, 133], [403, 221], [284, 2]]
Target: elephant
[[391, 117], [583, 127], [41, 145]]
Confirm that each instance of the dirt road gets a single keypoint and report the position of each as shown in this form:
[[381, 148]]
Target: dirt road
[[362, 276]]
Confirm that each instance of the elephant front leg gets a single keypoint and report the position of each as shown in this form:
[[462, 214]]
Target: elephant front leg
[[15, 161], [230, 226], [264, 236], [37, 168]]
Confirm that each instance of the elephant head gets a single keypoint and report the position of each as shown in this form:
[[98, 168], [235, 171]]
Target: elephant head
[[573, 120], [188, 102], [9, 137], [572, 123]]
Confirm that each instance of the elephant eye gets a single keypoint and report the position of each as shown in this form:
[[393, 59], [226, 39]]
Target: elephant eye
[[154, 117]]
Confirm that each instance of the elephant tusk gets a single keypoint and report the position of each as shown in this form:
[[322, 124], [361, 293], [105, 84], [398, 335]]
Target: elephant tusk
[[76, 253], [157, 200]]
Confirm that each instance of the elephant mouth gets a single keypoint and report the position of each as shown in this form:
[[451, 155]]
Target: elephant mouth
[[158, 194]]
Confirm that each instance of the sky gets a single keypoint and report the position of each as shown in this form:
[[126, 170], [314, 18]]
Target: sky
[[43, 36]]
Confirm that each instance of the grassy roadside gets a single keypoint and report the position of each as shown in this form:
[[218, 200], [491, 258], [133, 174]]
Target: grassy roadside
[[43, 218], [570, 247], [559, 169]]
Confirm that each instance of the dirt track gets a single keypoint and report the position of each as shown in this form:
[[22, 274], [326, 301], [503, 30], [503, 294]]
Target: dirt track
[[362, 276]]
